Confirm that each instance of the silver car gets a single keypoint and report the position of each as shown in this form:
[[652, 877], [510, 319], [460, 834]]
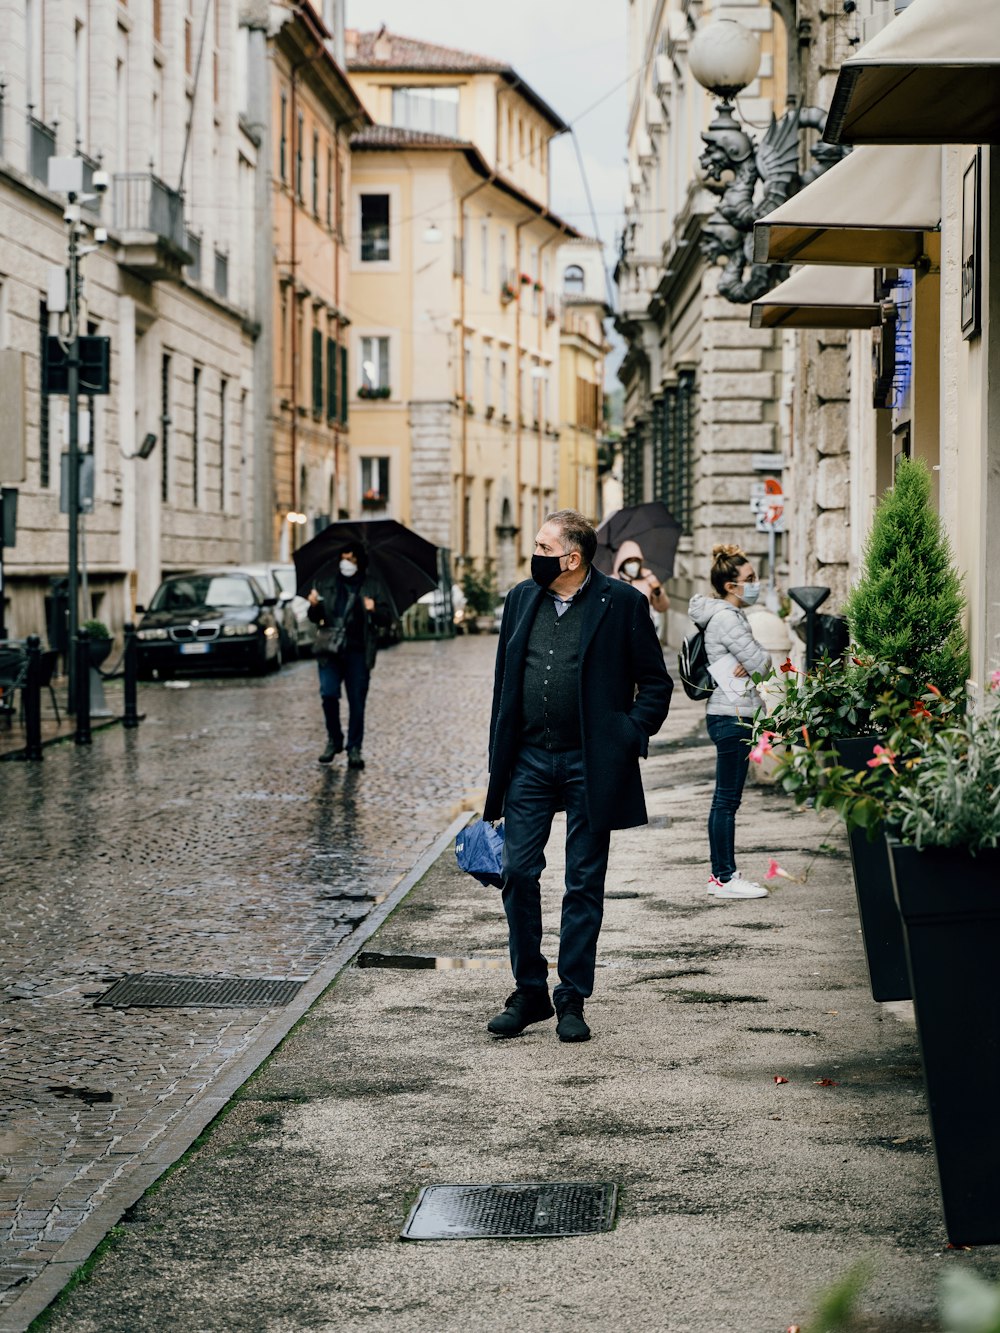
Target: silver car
[[272, 578]]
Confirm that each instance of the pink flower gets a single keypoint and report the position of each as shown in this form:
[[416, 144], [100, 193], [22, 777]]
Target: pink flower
[[774, 871], [787, 666], [883, 755], [995, 681], [763, 747]]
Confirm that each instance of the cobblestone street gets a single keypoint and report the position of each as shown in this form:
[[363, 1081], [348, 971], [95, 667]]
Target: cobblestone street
[[207, 843]]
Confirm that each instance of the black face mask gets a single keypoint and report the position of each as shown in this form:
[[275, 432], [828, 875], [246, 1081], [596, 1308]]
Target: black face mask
[[545, 569]]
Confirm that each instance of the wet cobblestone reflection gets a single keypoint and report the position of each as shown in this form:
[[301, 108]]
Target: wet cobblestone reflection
[[208, 843]]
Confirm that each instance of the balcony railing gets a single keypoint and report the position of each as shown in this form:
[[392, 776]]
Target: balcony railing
[[41, 146], [221, 274], [143, 203]]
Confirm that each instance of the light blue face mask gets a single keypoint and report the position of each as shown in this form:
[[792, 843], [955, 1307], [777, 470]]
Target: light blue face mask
[[750, 593]]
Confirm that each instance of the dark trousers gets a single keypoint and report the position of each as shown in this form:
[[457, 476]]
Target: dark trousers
[[349, 669], [731, 737], [543, 782]]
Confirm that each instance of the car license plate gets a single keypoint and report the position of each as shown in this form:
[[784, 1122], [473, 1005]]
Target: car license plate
[[192, 648]]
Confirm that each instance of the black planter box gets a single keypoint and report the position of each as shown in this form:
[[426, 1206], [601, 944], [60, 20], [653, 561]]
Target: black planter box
[[950, 906], [881, 928]]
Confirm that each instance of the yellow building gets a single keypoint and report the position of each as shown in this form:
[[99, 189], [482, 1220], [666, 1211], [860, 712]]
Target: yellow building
[[582, 351], [455, 336], [313, 111]]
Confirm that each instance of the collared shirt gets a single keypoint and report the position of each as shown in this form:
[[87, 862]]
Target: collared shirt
[[564, 603]]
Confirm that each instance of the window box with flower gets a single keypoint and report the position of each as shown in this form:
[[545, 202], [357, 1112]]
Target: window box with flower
[[374, 500], [374, 391], [507, 294]]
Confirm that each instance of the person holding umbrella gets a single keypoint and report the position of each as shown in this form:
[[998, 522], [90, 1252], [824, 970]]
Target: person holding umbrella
[[349, 607], [358, 575]]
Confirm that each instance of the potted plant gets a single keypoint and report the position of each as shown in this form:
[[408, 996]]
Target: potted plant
[[480, 589], [942, 813], [908, 662], [101, 642], [507, 294]]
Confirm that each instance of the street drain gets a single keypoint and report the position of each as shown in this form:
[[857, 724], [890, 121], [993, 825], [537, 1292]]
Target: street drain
[[477, 1212], [143, 990], [416, 962]]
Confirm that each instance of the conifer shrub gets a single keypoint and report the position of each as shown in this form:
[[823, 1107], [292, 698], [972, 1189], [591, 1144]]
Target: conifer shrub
[[907, 607]]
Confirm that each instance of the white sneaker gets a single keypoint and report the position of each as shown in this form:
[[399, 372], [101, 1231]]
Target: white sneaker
[[737, 887]]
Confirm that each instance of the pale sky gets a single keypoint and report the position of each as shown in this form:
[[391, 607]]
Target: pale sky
[[572, 52]]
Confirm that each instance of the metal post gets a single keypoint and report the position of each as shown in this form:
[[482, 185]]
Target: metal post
[[130, 718], [73, 499], [3, 626], [82, 655], [33, 700]]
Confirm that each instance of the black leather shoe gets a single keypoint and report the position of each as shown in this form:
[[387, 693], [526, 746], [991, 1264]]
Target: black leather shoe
[[354, 759], [571, 1026], [523, 1007], [333, 748]]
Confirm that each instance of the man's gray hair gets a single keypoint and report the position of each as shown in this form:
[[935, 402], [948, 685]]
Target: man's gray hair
[[576, 532]]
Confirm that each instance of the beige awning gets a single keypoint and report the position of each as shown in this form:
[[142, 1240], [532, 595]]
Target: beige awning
[[818, 297], [932, 75], [871, 208]]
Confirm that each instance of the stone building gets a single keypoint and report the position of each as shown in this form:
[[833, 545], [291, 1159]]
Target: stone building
[[148, 92], [455, 335], [713, 407]]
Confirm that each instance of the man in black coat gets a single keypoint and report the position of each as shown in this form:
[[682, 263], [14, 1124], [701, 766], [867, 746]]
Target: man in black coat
[[580, 687]]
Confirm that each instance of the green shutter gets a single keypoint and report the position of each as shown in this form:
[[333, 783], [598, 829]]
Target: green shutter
[[317, 371], [331, 380], [343, 386]]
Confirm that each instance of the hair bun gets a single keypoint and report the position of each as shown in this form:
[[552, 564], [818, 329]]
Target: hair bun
[[724, 550]]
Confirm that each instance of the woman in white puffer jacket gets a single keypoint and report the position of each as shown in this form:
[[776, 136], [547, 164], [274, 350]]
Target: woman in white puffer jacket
[[731, 646]]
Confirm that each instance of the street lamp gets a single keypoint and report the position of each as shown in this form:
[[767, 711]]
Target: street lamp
[[66, 176], [724, 57]]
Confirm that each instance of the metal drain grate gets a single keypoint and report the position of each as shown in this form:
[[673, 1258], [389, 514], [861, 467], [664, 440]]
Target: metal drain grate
[[165, 992], [471, 1212]]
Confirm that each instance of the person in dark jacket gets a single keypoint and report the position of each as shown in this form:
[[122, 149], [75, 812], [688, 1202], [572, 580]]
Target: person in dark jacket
[[348, 606], [580, 687]]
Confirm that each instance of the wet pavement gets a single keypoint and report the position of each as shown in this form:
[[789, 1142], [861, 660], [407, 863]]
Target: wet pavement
[[208, 843]]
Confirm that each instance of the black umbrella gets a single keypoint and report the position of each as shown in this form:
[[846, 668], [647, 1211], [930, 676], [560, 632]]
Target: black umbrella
[[404, 561], [651, 526]]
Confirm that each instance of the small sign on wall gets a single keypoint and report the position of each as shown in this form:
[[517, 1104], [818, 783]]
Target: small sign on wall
[[971, 248]]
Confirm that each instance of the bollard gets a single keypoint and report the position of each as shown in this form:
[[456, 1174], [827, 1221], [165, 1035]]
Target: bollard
[[130, 718], [33, 701], [810, 599], [82, 648]]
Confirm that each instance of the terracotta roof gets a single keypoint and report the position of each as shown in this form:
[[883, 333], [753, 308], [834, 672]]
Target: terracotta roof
[[385, 50], [389, 50], [391, 136]]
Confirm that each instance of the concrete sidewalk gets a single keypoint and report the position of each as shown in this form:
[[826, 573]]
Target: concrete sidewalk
[[740, 1198]]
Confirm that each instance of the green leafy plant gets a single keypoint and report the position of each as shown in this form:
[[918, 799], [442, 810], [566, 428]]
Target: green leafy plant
[[480, 589], [907, 607], [908, 663], [96, 629], [969, 1304]]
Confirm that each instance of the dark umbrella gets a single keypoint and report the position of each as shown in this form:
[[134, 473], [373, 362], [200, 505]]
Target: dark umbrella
[[652, 526], [404, 561]]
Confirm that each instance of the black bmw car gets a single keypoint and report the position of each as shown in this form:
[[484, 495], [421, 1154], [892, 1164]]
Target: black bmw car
[[208, 620]]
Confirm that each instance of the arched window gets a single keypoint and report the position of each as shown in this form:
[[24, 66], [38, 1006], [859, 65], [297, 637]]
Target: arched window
[[573, 280]]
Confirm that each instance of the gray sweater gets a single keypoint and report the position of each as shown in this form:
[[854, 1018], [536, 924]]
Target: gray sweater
[[727, 630]]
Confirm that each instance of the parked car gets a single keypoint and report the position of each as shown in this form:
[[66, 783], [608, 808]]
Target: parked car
[[287, 582], [269, 576], [215, 619]]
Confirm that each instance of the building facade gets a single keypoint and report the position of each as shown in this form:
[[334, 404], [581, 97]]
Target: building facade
[[148, 94], [455, 336], [300, 100], [714, 409], [583, 350]]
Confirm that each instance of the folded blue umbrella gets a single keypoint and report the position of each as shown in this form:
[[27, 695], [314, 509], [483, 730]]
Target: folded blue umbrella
[[478, 851]]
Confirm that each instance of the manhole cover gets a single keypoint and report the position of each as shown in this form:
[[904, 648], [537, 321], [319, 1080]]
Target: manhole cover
[[166, 992], [471, 1212]]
